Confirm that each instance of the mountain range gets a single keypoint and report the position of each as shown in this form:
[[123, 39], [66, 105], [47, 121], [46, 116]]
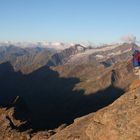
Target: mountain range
[[23, 58], [75, 93]]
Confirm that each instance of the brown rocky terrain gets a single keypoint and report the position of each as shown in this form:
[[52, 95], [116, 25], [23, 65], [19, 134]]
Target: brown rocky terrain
[[41, 99], [118, 121], [97, 77], [10, 125]]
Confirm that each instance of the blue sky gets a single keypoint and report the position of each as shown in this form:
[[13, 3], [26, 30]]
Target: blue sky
[[69, 20]]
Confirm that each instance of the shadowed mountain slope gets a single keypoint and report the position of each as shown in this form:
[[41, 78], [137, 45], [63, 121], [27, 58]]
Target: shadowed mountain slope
[[51, 99]]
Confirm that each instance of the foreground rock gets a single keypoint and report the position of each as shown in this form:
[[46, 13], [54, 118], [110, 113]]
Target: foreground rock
[[9, 126], [118, 121]]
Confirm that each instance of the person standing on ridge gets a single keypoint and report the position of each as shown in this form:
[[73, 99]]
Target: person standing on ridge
[[136, 62]]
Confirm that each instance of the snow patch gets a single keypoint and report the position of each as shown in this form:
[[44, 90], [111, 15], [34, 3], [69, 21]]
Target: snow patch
[[86, 53], [100, 56], [128, 50]]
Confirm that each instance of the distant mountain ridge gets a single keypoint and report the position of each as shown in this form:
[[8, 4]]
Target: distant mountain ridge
[[108, 55], [34, 57]]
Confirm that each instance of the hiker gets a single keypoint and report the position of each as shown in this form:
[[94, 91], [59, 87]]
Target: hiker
[[136, 58], [136, 62]]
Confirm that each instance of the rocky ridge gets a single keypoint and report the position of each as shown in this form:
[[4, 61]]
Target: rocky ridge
[[118, 121]]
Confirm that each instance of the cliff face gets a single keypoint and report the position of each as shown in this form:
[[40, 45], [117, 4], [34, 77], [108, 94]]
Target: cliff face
[[118, 121]]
